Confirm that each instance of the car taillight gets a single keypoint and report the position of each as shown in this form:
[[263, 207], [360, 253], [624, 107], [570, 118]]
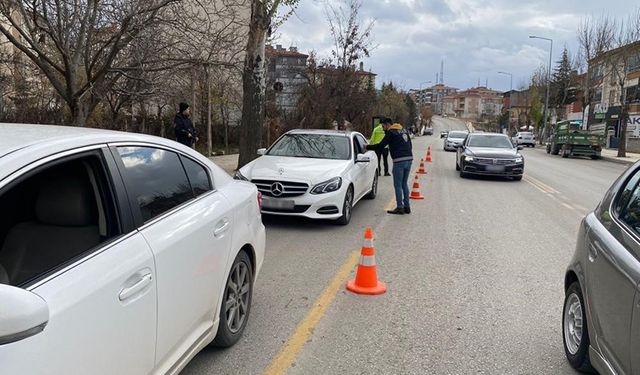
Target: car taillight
[[259, 200]]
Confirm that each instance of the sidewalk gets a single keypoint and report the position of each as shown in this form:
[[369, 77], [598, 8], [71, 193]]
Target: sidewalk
[[611, 155], [226, 162]]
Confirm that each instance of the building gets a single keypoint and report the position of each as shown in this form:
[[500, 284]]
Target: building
[[286, 75], [474, 104], [605, 116], [432, 96]]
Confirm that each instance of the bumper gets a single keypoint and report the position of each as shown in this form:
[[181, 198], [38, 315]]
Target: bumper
[[512, 170], [450, 147], [312, 206]]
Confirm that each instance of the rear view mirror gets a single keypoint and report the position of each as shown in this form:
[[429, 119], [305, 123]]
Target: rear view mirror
[[22, 314], [261, 151]]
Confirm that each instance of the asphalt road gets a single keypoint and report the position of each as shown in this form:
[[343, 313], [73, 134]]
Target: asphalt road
[[474, 276]]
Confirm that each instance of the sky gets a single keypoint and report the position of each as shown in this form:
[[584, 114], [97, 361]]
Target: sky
[[475, 38]]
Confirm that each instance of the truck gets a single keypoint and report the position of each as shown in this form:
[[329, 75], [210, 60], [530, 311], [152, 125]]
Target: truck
[[568, 139]]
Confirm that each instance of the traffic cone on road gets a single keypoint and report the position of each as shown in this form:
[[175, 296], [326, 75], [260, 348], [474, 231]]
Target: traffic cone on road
[[429, 154], [366, 280], [415, 191], [422, 170]]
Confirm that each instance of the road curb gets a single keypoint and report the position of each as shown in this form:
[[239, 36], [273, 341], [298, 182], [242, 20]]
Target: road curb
[[618, 161]]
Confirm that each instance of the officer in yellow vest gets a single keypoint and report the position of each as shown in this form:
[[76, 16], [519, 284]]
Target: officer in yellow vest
[[376, 137]]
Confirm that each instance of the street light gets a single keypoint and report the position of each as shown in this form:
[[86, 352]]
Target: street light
[[510, 93], [546, 98]]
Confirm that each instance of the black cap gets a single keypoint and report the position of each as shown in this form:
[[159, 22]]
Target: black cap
[[182, 107]]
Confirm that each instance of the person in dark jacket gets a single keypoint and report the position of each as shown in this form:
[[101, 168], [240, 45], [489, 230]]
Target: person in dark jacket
[[401, 149], [185, 132]]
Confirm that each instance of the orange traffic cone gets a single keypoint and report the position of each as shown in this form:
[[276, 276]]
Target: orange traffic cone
[[421, 170], [429, 154], [366, 281], [415, 192]]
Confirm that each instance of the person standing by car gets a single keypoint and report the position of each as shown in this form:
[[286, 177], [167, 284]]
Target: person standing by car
[[185, 132], [400, 147], [376, 137]]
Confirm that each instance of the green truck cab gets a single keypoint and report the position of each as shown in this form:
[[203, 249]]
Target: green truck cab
[[568, 139]]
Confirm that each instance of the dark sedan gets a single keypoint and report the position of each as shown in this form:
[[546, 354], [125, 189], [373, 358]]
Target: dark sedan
[[489, 154]]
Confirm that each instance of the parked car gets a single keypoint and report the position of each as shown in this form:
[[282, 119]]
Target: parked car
[[119, 253], [525, 139], [318, 174], [489, 154], [601, 315], [427, 131], [444, 133], [454, 139]]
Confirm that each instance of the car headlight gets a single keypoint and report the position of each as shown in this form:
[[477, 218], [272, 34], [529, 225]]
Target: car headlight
[[519, 160], [329, 186], [468, 158], [239, 176]]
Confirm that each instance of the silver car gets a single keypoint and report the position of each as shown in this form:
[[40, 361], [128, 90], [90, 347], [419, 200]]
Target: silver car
[[454, 139], [601, 316]]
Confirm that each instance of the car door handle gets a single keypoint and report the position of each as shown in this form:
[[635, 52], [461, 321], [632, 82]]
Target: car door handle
[[594, 248], [222, 227], [137, 287]]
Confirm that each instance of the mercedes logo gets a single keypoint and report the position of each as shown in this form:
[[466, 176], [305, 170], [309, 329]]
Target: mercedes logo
[[277, 189]]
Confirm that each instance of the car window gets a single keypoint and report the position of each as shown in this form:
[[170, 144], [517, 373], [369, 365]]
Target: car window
[[60, 213], [156, 179], [627, 206], [359, 145], [198, 176], [317, 146], [457, 134]]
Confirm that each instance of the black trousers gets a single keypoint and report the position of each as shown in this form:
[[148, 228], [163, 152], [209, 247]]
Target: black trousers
[[383, 155]]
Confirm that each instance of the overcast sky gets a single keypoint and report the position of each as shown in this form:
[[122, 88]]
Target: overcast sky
[[475, 38]]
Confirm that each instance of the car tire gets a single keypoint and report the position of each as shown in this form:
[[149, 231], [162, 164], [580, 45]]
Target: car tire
[[236, 302], [548, 149], [347, 207], [374, 188], [462, 173], [576, 342], [555, 150]]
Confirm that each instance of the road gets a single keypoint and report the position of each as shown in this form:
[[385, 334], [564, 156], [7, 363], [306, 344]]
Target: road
[[474, 276]]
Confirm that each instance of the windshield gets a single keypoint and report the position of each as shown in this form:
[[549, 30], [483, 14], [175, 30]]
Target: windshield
[[492, 141], [317, 146], [457, 134]]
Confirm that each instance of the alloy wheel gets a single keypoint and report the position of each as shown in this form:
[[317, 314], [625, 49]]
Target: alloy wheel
[[237, 297], [573, 323]]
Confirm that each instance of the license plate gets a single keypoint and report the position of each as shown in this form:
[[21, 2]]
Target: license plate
[[495, 168], [282, 204]]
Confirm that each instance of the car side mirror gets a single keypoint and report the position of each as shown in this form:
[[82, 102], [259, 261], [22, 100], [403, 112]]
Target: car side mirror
[[261, 151], [363, 159], [23, 314]]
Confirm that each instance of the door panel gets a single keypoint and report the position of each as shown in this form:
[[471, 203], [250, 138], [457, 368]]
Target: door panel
[[635, 335], [90, 330], [191, 249], [611, 284]]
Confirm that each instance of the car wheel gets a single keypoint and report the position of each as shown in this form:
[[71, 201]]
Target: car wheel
[[461, 169], [347, 207], [574, 329], [548, 149], [236, 302], [374, 188], [555, 150]]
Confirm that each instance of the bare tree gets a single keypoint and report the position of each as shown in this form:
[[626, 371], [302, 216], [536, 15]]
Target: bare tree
[[263, 20], [78, 44]]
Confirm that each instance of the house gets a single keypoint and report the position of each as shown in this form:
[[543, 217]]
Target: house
[[474, 104], [285, 75]]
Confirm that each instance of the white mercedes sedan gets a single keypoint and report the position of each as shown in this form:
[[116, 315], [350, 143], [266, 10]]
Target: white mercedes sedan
[[119, 253], [319, 174]]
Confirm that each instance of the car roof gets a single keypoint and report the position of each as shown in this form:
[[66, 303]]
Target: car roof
[[345, 133]]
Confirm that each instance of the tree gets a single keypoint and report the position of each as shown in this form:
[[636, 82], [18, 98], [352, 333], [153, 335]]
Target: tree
[[391, 103], [78, 45], [562, 81], [413, 111]]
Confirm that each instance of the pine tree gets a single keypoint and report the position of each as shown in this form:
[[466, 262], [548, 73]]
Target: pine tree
[[561, 80]]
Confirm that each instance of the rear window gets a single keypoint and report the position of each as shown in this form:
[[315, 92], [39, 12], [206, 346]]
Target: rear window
[[457, 134]]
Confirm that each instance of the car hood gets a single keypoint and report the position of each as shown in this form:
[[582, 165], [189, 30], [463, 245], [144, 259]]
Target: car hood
[[496, 153], [311, 171]]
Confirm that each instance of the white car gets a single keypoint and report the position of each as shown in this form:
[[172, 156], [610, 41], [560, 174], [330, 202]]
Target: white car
[[119, 253], [525, 139], [319, 174]]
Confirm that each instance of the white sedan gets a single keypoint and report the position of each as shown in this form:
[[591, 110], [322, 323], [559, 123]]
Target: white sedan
[[119, 253], [319, 174]]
